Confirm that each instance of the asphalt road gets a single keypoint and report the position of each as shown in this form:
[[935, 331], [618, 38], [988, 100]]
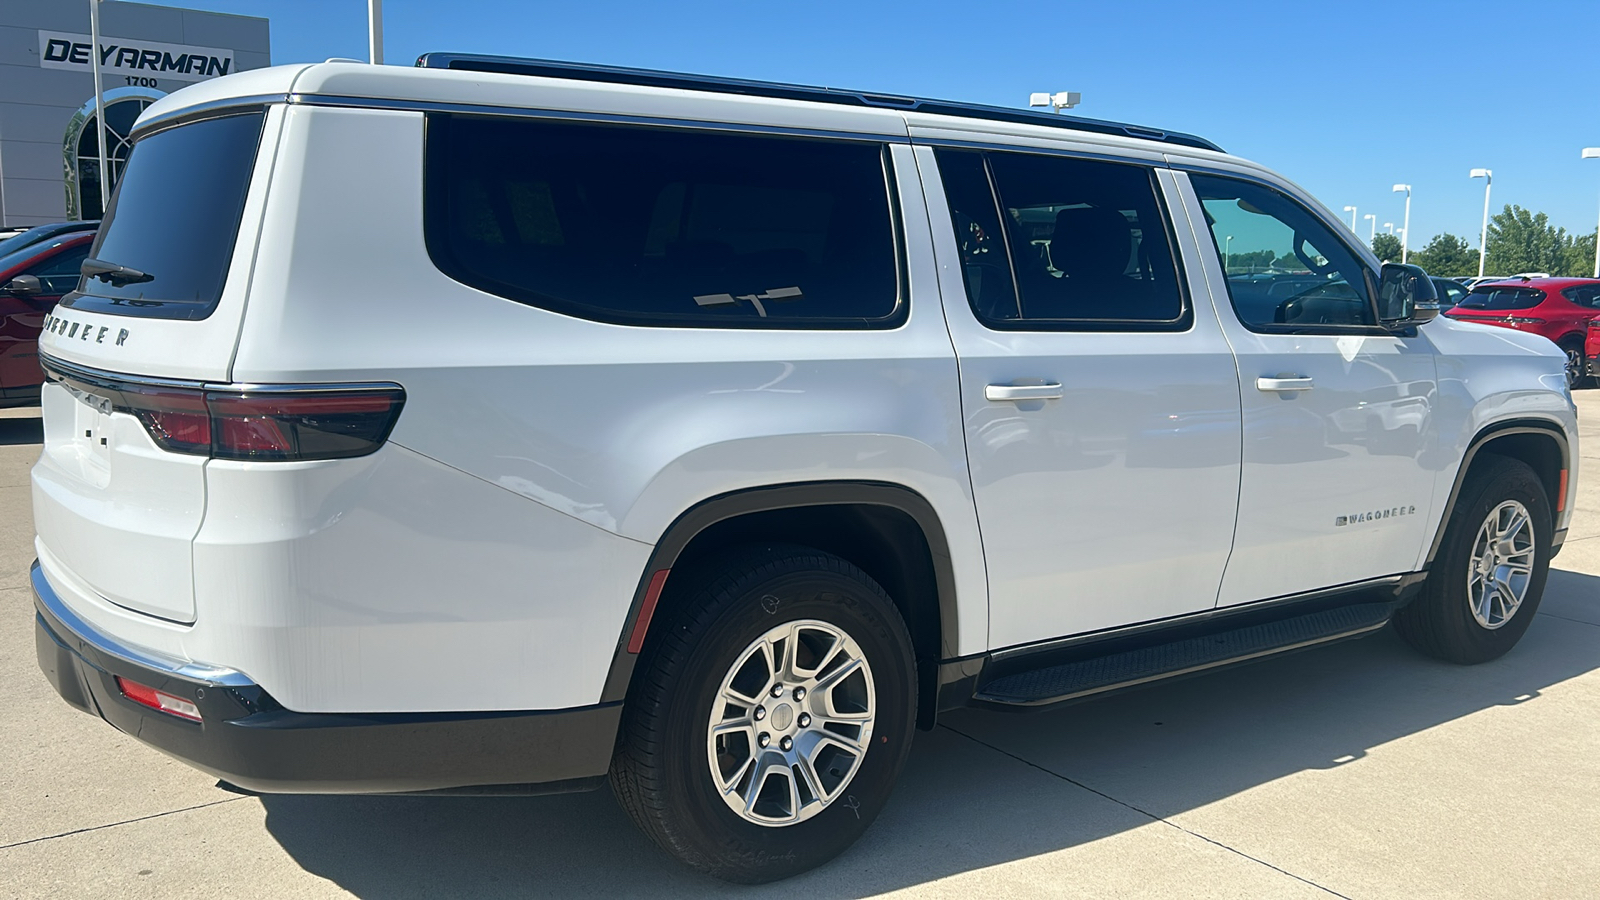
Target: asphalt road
[[1360, 770]]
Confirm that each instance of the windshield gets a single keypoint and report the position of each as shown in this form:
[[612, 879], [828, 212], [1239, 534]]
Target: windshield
[[1491, 298], [174, 219], [41, 233]]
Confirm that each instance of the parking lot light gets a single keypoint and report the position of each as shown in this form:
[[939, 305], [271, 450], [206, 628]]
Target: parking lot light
[[1405, 229], [1372, 228], [1352, 211], [1483, 234], [1594, 153], [1058, 101]]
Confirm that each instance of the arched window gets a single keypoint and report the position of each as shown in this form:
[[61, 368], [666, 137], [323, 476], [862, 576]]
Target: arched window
[[123, 106]]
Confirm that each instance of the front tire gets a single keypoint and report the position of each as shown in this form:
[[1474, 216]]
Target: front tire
[[770, 715], [1489, 575]]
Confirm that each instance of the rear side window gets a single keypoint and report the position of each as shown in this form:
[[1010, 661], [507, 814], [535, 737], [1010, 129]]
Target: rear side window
[[1584, 295], [1502, 298], [174, 218], [1087, 242], [655, 226]]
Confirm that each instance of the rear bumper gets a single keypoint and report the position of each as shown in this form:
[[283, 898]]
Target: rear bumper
[[248, 739]]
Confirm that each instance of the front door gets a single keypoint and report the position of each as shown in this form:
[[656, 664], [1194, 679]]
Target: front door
[[1101, 403], [1338, 411]]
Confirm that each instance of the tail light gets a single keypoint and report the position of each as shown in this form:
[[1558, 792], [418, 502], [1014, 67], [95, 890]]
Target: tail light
[[161, 701], [1523, 320], [293, 422]]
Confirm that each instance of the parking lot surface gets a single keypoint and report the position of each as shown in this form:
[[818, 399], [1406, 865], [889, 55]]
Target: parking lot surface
[[1360, 770]]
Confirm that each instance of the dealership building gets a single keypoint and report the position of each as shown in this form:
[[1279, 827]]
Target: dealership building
[[49, 162]]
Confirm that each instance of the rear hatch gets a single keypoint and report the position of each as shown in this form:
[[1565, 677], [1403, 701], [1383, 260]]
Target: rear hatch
[[1496, 304], [157, 311]]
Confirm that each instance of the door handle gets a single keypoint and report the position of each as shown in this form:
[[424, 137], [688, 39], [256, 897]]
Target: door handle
[[1014, 392], [1289, 383]]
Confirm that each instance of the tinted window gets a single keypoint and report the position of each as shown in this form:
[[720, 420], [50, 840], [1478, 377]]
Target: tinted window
[[662, 226], [175, 217], [1286, 270], [1087, 241], [1492, 298], [1584, 295], [59, 273], [1450, 292]]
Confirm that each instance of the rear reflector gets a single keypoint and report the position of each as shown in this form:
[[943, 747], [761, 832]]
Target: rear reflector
[[641, 624], [1561, 493], [161, 701], [276, 423]]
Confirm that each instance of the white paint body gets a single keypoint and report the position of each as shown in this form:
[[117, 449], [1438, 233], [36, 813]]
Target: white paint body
[[486, 558]]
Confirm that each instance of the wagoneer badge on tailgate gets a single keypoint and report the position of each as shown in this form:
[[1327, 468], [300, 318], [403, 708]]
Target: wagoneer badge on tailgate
[[82, 332]]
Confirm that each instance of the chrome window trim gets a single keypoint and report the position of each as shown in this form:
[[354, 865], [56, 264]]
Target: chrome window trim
[[211, 110], [475, 109], [137, 656], [1001, 144]]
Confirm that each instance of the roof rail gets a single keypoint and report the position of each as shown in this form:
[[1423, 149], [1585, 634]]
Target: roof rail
[[546, 68]]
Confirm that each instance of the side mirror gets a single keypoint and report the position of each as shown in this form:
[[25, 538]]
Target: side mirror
[[24, 286], [1406, 296]]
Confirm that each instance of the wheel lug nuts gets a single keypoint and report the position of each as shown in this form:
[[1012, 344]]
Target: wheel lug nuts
[[786, 744], [805, 720], [777, 690], [764, 739], [761, 713], [799, 693]]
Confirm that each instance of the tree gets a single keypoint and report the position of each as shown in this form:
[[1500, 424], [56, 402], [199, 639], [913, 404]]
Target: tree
[[1521, 241], [1387, 247], [1580, 256], [1447, 256]]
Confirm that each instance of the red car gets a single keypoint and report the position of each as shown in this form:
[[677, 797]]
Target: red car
[[1592, 348], [31, 281], [1558, 308]]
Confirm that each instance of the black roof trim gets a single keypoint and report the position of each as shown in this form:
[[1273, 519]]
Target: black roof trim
[[546, 68]]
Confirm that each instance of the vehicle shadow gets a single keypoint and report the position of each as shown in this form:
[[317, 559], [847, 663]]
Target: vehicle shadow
[[21, 431], [982, 790]]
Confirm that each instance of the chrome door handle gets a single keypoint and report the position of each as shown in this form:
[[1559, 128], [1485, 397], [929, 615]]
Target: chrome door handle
[[1294, 383], [1013, 392]]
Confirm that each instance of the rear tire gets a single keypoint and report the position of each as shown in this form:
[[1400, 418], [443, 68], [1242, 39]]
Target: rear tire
[[1576, 366], [1489, 575], [792, 619]]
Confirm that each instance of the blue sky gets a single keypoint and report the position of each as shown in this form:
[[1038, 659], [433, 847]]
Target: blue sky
[[1345, 98]]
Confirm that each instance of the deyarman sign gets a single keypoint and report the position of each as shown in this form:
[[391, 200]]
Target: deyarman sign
[[61, 50]]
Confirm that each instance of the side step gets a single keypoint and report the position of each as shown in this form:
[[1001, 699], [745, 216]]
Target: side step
[[1115, 671]]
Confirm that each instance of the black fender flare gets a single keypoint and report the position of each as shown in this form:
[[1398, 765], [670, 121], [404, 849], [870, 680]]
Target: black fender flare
[[773, 498], [1541, 427]]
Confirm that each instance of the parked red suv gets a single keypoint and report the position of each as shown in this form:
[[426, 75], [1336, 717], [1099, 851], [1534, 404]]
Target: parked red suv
[[31, 281], [1558, 308], [1592, 349]]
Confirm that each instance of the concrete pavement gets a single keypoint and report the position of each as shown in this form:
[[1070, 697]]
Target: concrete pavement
[[1360, 770]]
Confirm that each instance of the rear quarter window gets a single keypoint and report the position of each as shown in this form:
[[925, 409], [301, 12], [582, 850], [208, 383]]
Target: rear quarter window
[[175, 217], [657, 226]]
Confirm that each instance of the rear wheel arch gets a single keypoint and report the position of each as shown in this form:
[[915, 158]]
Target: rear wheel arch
[[890, 532], [1539, 443]]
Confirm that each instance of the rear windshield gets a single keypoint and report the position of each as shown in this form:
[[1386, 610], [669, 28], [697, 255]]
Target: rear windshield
[[173, 219], [1501, 298]]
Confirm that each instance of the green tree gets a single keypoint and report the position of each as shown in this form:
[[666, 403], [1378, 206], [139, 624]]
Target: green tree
[[1387, 247], [1579, 257], [1447, 256], [1523, 241]]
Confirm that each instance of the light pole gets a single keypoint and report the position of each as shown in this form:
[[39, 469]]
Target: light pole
[[1352, 211], [1483, 234], [1227, 251], [375, 32], [1058, 101], [1390, 226], [1594, 153], [1372, 227], [99, 108], [1405, 230]]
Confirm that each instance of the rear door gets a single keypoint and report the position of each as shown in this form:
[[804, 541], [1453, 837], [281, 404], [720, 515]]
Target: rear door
[[1338, 412], [116, 514], [1101, 404]]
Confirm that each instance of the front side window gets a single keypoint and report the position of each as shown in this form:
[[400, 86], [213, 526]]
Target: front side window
[[659, 226], [1492, 298], [59, 274], [1286, 270], [1087, 243]]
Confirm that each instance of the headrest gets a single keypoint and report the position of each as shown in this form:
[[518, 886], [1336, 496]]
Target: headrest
[[1091, 242]]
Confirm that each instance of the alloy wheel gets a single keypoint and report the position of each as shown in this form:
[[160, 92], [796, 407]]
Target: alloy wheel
[[1501, 565]]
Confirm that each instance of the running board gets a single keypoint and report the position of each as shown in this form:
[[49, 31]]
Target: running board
[[1129, 668]]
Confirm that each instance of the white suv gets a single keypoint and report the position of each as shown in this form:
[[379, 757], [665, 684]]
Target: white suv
[[496, 425]]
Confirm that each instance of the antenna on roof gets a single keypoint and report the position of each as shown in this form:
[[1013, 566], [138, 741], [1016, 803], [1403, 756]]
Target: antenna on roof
[[1059, 100]]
